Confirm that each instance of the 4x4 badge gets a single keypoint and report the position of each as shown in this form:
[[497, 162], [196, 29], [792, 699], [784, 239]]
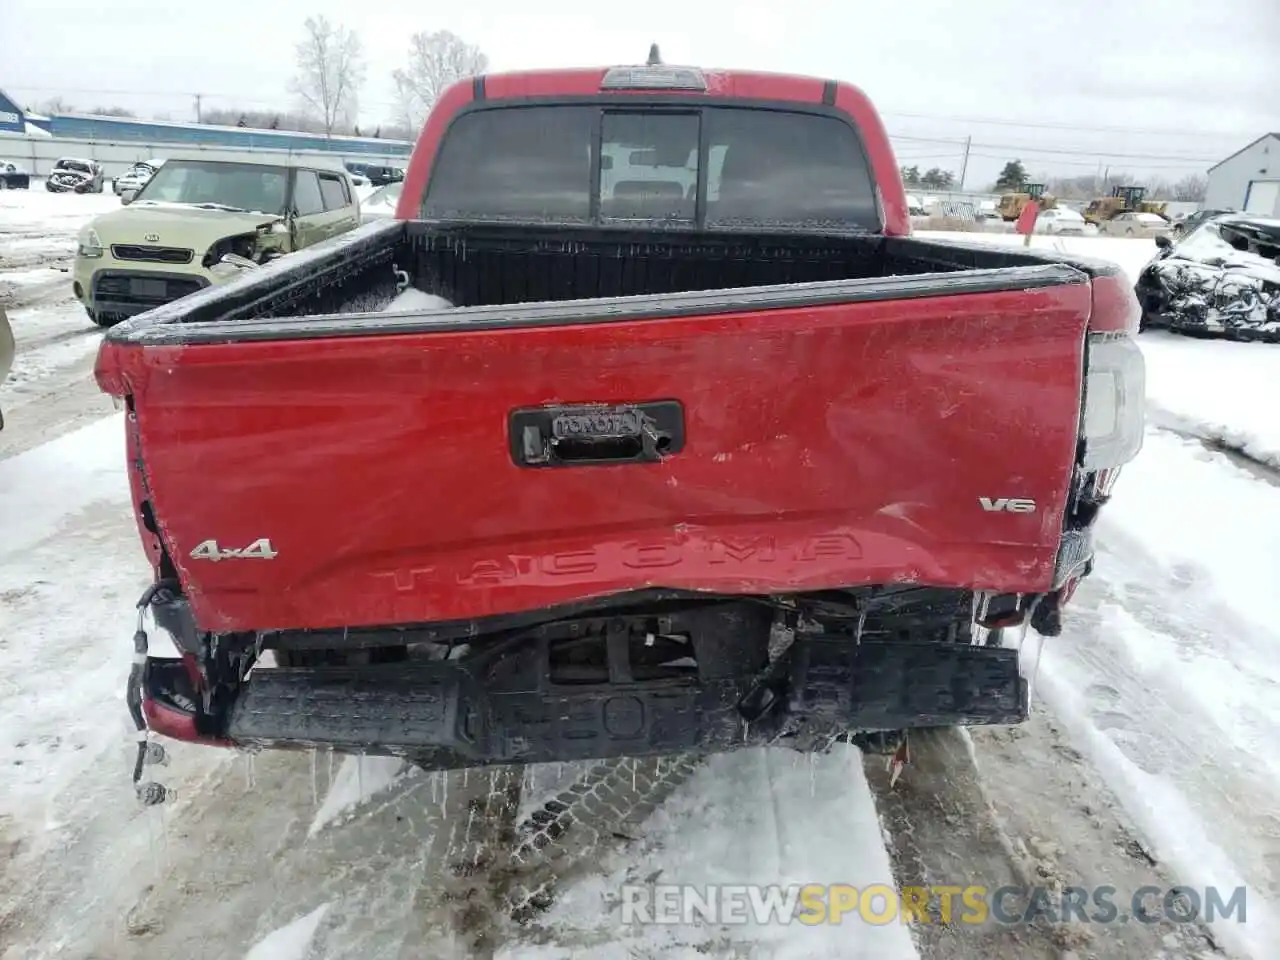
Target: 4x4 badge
[[258, 550]]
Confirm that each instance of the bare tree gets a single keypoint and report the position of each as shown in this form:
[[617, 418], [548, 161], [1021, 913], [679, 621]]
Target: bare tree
[[1191, 187], [54, 105], [436, 60], [331, 70], [263, 119]]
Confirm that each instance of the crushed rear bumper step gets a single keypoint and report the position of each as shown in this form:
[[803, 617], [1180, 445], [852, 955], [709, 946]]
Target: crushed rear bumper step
[[441, 715]]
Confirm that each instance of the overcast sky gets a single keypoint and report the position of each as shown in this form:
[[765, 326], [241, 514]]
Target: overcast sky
[[1174, 84]]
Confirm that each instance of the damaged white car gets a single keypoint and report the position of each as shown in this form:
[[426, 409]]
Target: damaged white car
[[1222, 280], [75, 175], [196, 223]]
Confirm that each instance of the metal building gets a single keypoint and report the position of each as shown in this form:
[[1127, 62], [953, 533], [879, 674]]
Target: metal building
[[124, 130], [1248, 180]]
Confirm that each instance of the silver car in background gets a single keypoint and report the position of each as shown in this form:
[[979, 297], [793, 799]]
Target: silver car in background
[[136, 176]]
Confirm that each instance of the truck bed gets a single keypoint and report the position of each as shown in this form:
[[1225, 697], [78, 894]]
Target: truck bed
[[839, 411], [341, 287]]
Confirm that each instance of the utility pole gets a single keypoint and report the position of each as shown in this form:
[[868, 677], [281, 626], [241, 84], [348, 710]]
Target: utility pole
[[964, 164], [199, 97]]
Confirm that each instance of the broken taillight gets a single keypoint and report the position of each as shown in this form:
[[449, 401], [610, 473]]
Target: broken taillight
[[1114, 401]]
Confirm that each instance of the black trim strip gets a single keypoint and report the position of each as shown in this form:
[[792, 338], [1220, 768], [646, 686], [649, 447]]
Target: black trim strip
[[829, 93], [477, 87], [610, 309]]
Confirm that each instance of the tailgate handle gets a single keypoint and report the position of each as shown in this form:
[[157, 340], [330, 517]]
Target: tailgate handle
[[596, 434]]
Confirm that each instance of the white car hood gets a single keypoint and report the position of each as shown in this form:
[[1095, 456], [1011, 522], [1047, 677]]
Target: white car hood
[[176, 224]]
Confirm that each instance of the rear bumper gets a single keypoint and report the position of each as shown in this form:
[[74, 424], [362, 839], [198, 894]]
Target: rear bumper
[[443, 716]]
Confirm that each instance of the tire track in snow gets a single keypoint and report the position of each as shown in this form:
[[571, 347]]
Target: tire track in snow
[[52, 339], [23, 296], [1067, 828], [1180, 696], [941, 831], [489, 879], [462, 898], [569, 834], [1261, 467], [61, 399], [997, 809]]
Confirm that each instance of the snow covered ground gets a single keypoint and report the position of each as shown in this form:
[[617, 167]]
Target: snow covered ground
[[1238, 404], [47, 391], [1168, 677], [1150, 758], [1131, 255]]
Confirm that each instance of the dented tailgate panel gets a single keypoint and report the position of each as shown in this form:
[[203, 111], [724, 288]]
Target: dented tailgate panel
[[927, 440]]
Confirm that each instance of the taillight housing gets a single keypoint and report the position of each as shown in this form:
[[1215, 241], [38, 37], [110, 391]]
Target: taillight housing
[[654, 77], [1114, 413]]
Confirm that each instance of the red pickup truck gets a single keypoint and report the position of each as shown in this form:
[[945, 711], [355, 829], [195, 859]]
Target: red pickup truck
[[693, 447]]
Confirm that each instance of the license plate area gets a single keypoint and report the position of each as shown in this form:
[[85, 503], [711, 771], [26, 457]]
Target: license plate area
[[148, 289], [596, 434]]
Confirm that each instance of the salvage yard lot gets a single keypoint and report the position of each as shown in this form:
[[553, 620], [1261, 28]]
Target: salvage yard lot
[[1150, 758]]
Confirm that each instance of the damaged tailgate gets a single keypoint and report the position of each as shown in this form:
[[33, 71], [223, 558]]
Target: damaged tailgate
[[343, 471]]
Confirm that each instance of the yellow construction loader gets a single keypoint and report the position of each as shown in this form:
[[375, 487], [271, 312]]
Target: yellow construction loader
[[1011, 204], [1122, 200]]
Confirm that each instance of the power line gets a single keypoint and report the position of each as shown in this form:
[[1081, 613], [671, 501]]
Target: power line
[[1044, 125], [1104, 154], [237, 98], [992, 121], [1094, 163], [1089, 158], [906, 139], [1064, 151]]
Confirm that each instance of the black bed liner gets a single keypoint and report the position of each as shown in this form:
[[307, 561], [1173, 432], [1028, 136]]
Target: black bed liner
[[504, 275]]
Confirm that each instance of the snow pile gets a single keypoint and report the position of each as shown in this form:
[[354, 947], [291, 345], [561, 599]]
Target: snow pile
[[1225, 392], [290, 942], [413, 299], [1131, 254], [359, 779], [1208, 520]]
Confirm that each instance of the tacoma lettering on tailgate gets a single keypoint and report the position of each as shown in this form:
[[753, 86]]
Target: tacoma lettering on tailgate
[[634, 555]]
